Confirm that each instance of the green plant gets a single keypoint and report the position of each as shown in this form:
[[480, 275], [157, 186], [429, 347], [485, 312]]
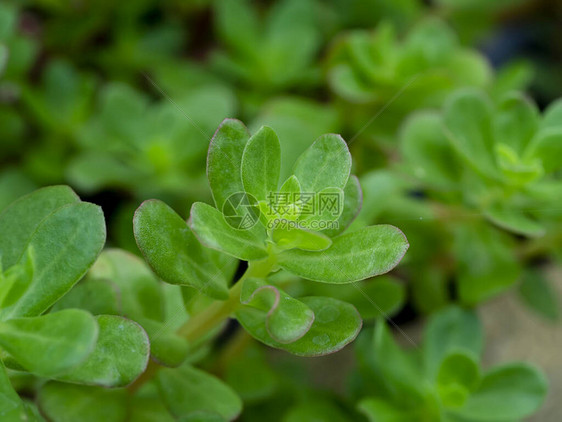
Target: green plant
[[49, 240], [492, 159], [267, 54], [119, 100], [442, 380], [240, 164]]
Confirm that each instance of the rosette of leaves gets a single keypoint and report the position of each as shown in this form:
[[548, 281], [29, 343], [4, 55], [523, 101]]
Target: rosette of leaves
[[149, 148], [239, 163], [377, 67], [267, 53], [49, 239], [371, 67], [443, 379], [498, 160], [501, 158]]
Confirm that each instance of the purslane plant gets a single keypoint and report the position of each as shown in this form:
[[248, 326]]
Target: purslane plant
[[492, 159], [49, 241], [267, 54], [243, 174], [371, 67], [142, 145], [502, 160], [443, 380]]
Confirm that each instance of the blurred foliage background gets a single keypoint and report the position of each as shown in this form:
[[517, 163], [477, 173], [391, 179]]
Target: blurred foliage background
[[120, 99]]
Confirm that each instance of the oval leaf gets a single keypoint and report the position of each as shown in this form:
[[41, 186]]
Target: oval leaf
[[20, 219], [285, 319], [188, 391], [352, 257], [510, 392], [213, 231], [119, 357], [225, 158], [261, 163], [335, 325], [173, 252], [64, 245], [289, 238], [467, 118], [352, 203], [50, 344], [67, 403], [325, 164]]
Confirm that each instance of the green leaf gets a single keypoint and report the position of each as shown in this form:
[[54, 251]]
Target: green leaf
[[140, 291], [468, 127], [458, 375], [288, 238], [261, 163], [396, 372], [510, 392], [251, 376], [188, 391], [353, 256], [335, 325], [325, 164], [166, 347], [452, 329], [147, 406], [379, 410], [486, 263], [144, 301], [297, 122], [213, 231], [173, 252], [68, 403], [378, 298], [427, 150], [65, 245], [515, 121], [224, 160], [119, 357], [539, 295], [293, 37], [237, 24], [97, 296], [382, 296], [514, 220], [50, 344], [11, 407], [20, 219], [285, 319], [353, 200], [547, 146]]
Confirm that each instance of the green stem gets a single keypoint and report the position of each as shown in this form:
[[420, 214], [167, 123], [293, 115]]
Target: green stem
[[212, 316]]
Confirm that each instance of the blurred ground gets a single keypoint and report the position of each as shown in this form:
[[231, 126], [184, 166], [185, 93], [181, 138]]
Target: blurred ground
[[514, 333]]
